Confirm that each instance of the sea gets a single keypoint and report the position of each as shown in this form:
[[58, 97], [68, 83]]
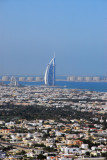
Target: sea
[[91, 86]]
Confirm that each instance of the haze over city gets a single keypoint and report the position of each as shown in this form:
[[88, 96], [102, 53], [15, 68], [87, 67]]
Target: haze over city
[[53, 79], [31, 31]]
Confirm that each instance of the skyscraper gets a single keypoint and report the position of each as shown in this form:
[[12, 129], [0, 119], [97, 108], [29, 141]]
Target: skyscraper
[[13, 82], [50, 73]]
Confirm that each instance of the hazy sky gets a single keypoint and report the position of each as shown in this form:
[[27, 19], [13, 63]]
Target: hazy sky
[[32, 30]]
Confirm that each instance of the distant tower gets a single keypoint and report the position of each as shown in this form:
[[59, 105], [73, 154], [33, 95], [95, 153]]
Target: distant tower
[[50, 73], [13, 82]]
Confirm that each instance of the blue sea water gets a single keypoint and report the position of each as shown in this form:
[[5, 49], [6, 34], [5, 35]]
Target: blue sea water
[[92, 86]]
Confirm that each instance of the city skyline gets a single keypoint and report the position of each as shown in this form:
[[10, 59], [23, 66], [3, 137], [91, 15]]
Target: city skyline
[[31, 31]]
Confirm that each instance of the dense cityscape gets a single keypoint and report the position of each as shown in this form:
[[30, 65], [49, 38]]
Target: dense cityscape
[[53, 80], [52, 123]]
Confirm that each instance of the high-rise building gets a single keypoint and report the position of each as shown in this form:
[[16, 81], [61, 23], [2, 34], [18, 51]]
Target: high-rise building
[[5, 78], [88, 79], [22, 79], [71, 78], [96, 78], [50, 73], [38, 79], [80, 78], [30, 79], [13, 82]]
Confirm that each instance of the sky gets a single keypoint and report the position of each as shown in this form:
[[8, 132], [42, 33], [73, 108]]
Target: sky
[[32, 30]]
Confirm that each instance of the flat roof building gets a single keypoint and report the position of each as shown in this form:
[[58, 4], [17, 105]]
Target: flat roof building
[[30, 79], [38, 79], [71, 78], [22, 78], [88, 79], [5, 78], [96, 78], [80, 78]]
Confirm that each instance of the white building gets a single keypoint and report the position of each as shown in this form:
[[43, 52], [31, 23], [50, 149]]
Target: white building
[[50, 73]]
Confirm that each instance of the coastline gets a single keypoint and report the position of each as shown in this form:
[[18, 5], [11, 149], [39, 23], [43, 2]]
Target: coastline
[[91, 86]]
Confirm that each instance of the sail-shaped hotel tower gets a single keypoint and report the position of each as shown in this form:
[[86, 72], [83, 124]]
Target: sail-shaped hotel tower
[[50, 73]]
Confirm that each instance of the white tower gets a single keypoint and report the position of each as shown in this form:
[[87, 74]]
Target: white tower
[[13, 81], [50, 73]]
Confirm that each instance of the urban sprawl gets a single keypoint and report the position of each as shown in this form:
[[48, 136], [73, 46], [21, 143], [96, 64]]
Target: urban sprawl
[[52, 123]]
